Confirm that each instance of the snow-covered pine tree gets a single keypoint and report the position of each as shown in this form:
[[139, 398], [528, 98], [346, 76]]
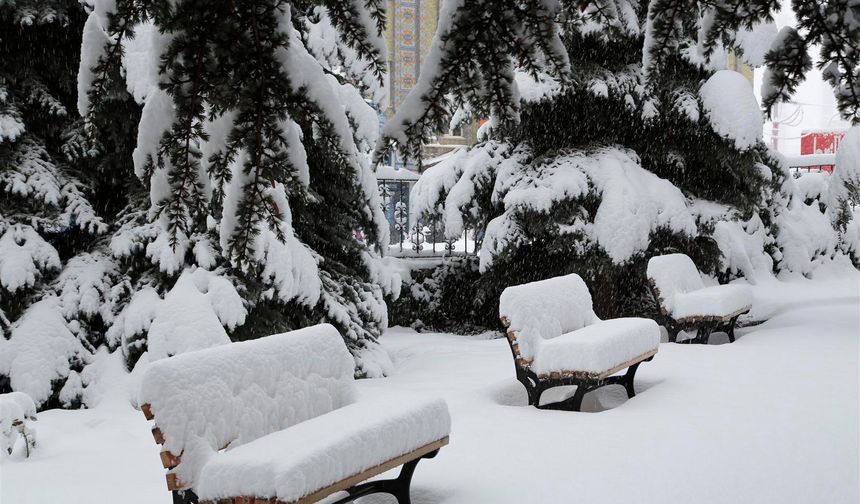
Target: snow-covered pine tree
[[613, 165], [54, 290], [254, 147]]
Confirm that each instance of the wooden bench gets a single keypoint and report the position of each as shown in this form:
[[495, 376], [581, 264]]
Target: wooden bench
[[556, 340], [275, 421], [685, 303]]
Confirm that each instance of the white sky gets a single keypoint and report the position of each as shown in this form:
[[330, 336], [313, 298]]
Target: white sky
[[814, 99]]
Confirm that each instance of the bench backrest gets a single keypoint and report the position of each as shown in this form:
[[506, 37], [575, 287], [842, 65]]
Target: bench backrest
[[205, 400], [672, 274], [543, 310]]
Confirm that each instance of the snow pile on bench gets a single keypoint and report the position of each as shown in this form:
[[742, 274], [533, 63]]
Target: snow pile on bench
[[682, 293], [315, 454], [17, 410], [557, 330], [232, 394], [599, 347]]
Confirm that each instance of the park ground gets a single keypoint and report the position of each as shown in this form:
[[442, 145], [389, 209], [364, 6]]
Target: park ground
[[773, 417]]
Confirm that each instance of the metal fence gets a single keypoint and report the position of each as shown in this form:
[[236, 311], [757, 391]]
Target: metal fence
[[411, 235]]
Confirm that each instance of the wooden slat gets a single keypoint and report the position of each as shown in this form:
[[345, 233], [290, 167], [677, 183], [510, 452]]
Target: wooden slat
[[169, 460], [373, 471], [147, 411], [157, 435], [173, 482], [627, 364]]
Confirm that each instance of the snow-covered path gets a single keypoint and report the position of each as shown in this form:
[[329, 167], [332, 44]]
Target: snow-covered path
[[771, 418]]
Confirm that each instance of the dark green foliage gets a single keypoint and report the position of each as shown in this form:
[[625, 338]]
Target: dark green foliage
[[447, 297]]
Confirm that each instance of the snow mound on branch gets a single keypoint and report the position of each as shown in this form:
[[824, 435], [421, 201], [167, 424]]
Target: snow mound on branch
[[140, 59], [813, 186], [135, 318], [40, 350], [85, 286], [157, 116], [478, 172], [24, 256], [194, 313], [742, 247], [235, 393], [732, 109], [755, 42], [533, 90], [450, 188], [93, 41], [633, 202], [436, 181]]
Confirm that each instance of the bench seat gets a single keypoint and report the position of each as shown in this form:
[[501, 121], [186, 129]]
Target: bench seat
[[315, 454], [597, 348], [720, 302]]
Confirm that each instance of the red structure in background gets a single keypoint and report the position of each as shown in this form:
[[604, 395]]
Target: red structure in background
[[820, 142]]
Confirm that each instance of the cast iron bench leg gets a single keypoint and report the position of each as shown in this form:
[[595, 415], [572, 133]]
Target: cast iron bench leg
[[184, 497], [398, 487], [704, 334], [731, 331], [628, 380]]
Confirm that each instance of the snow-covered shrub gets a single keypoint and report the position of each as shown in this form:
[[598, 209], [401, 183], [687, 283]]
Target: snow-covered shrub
[[17, 412], [444, 297]]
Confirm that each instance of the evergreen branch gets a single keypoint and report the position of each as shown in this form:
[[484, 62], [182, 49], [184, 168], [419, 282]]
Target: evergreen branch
[[665, 20], [346, 16]]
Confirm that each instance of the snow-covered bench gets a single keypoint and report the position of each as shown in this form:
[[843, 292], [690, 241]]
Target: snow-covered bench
[[17, 411], [686, 304], [556, 339], [276, 420]]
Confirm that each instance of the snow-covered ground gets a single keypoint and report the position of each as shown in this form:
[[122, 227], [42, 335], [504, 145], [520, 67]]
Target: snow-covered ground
[[771, 418]]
